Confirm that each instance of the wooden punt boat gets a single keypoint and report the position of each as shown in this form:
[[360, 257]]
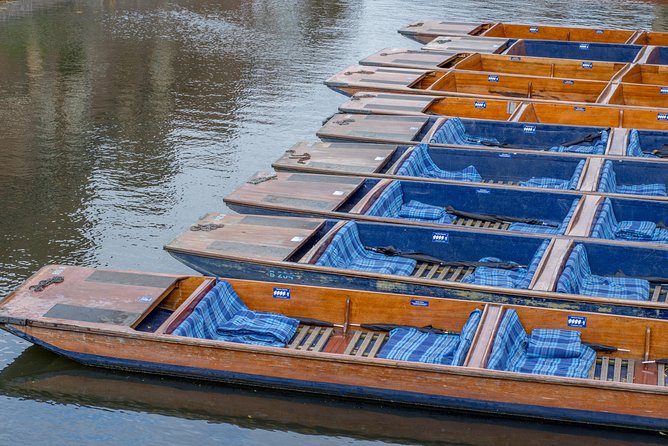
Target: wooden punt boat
[[501, 207], [530, 138], [484, 86], [590, 52], [493, 63], [96, 318], [506, 110], [36, 374], [357, 78], [300, 250], [425, 31]]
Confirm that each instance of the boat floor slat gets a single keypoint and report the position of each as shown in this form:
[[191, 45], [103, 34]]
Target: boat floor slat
[[323, 339], [662, 375], [310, 340], [613, 369], [301, 334], [353, 343], [365, 344], [432, 271], [377, 345]]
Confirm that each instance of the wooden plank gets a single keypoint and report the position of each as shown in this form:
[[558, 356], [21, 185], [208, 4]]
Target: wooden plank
[[549, 267], [377, 345], [662, 375], [311, 338], [605, 362], [352, 343], [617, 373], [368, 336], [630, 369], [656, 293], [583, 218], [324, 337], [301, 333]]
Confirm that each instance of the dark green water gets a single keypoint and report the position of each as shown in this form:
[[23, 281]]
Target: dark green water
[[121, 122]]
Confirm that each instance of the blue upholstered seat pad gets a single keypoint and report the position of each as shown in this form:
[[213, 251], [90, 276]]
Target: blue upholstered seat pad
[[390, 203], [454, 132], [347, 251], [410, 344], [420, 164], [509, 353], [635, 230], [553, 343], [608, 183], [577, 278], [416, 210], [634, 147], [254, 327], [556, 183], [607, 226], [597, 147], [543, 229], [518, 278], [221, 315]]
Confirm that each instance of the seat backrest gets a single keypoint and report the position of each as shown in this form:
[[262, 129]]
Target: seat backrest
[[575, 271], [509, 343], [219, 305], [525, 281], [606, 223], [451, 132], [575, 178], [633, 148], [388, 202], [466, 337], [608, 182], [343, 249], [418, 162]]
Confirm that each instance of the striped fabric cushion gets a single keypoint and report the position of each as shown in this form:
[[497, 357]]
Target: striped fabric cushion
[[546, 183], [606, 222], [259, 328], [454, 132], [633, 148], [347, 251], [390, 204], [608, 183], [509, 352], [414, 210], [577, 278], [635, 230], [607, 227], [410, 344], [420, 164], [542, 229], [552, 343], [221, 315]]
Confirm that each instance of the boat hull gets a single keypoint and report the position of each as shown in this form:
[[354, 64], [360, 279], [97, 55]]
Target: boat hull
[[451, 388]]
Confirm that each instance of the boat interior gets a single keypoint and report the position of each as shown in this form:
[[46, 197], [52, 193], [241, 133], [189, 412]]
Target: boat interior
[[604, 52]]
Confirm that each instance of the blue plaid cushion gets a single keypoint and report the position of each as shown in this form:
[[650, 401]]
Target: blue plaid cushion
[[414, 210], [576, 278], [509, 343], [597, 148], [221, 315], [608, 183], [409, 344], [388, 202], [546, 183], [519, 278], [552, 343], [260, 328], [218, 306], [635, 230], [634, 149], [509, 353], [606, 222], [541, 229], [454, 132], [420, 164], [347, 251]]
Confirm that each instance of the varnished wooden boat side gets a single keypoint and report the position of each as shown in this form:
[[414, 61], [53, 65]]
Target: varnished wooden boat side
[[636, 405]]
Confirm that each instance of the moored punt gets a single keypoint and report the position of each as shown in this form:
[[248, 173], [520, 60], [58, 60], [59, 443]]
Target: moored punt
[[493, 63], [511, 110], [427, 30], [357, 78], [356, 344], [543, 139], [597, 275], [410, 202]]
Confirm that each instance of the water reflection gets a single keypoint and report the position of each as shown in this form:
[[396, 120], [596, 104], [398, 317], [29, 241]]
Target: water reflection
[[122, 121]]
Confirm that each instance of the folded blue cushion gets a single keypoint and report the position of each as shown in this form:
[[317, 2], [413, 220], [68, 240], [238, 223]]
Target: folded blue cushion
[[260, 328], [635, 230], [415, 209], [552, 343]]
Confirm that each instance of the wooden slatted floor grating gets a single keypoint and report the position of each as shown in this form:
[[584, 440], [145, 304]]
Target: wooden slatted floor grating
[[365, 343], [480, 223], [613, 369], [311, 338], [658, 292], [433, 271]]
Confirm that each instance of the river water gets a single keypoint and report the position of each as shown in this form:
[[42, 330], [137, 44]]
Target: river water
[[123, 121]]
